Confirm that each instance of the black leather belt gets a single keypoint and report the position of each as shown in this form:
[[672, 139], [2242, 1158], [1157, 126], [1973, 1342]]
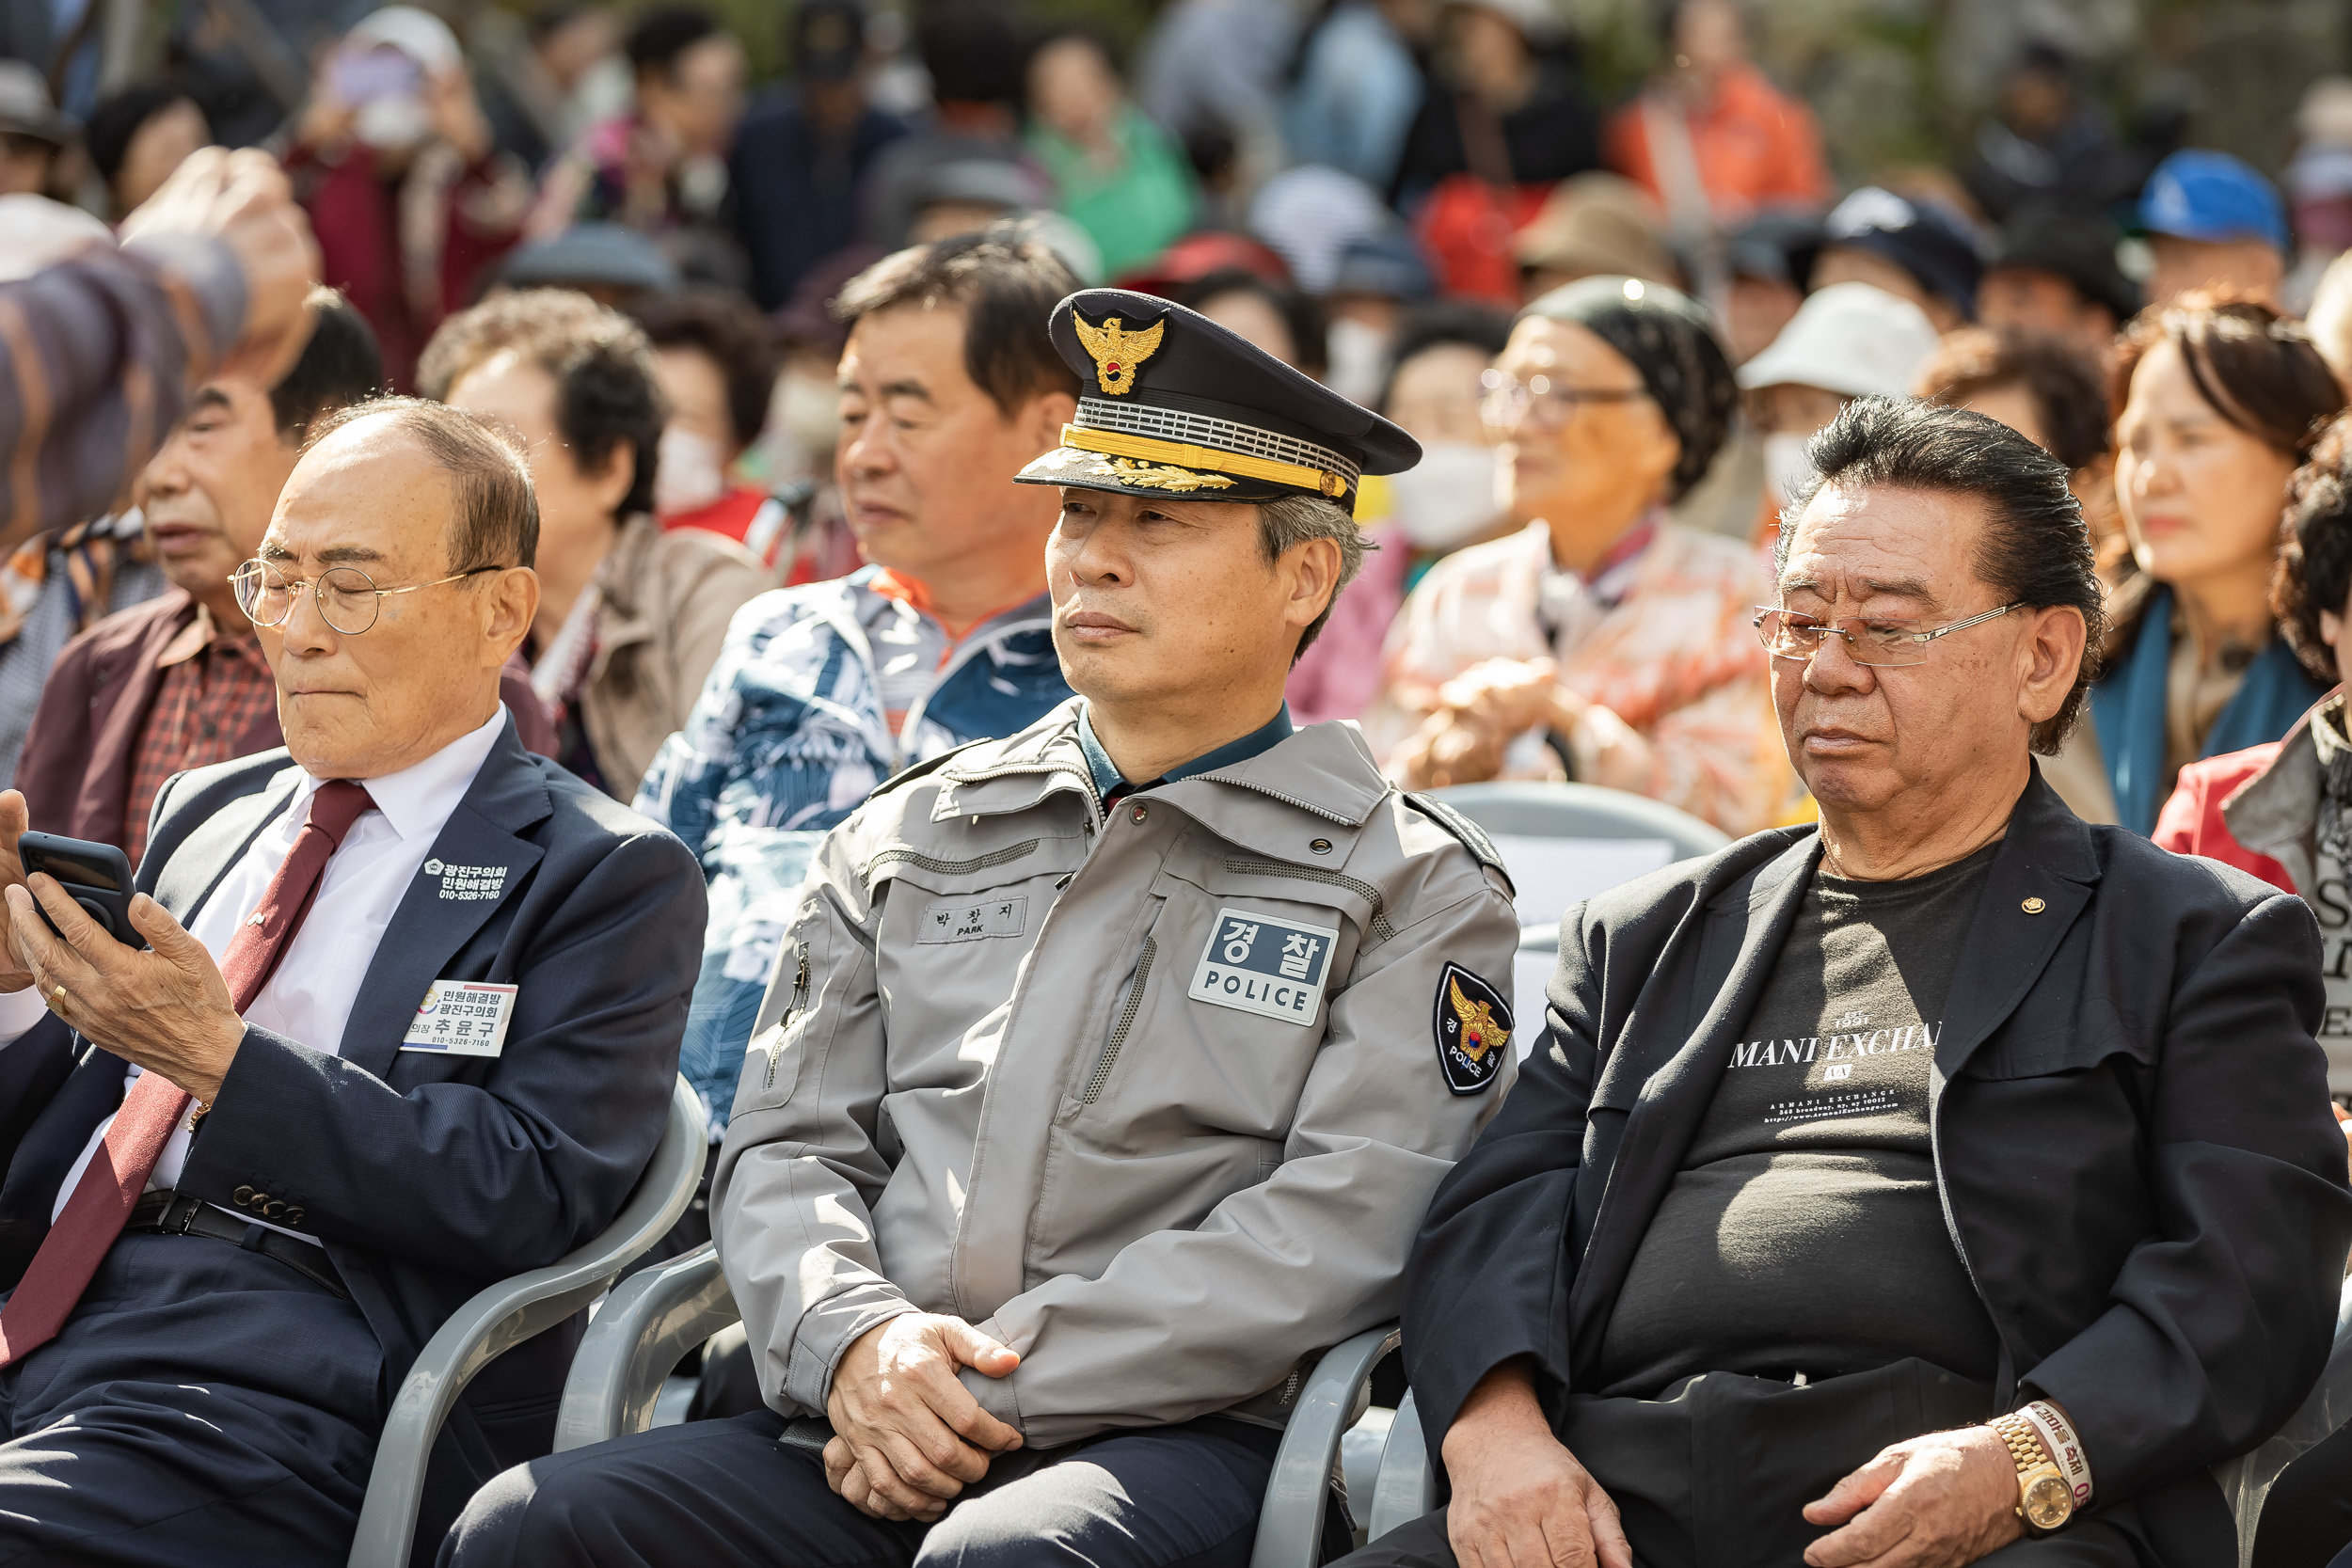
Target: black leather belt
[[178, 1214]]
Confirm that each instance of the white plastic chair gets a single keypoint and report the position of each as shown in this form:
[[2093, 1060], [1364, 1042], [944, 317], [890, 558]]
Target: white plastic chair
[[498, 1319], [659, 1315], [1540, 810]]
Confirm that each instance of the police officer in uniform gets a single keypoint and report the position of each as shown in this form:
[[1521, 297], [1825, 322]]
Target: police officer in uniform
[[1107, 1069]]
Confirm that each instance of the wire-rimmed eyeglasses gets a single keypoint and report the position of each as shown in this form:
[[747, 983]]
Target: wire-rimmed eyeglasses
[[1504, 400], [1869, 639], [347, 598]]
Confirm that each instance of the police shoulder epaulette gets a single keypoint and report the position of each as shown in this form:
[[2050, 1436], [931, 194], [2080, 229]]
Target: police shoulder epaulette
[[914, 771], [1473, 837]]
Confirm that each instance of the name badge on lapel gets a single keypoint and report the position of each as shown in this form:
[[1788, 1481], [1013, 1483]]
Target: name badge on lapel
[[1260, 964], [466, 884], [462, 1018]]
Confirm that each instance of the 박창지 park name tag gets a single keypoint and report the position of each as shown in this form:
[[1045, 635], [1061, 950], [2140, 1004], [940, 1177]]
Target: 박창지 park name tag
[[464, 1018], [1263, 965]]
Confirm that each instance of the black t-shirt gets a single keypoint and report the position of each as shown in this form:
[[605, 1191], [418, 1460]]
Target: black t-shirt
[[1804, 1231]]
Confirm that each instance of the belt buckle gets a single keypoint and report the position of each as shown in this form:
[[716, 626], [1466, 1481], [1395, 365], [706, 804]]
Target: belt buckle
[[180, 1211]]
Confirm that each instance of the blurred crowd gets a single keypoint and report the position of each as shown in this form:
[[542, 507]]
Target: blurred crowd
[[1419, 203]]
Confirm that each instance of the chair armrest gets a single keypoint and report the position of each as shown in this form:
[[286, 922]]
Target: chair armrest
[[1408, 1487], [1290, 1522], [506, 1314], [2247, 1479], [651, 1321]]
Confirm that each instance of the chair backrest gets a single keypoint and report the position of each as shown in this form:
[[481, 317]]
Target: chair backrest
[[504, 1316], [1532, 809]]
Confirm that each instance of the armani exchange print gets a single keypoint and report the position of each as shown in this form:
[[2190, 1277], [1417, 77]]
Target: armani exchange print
[[1804, 1232]]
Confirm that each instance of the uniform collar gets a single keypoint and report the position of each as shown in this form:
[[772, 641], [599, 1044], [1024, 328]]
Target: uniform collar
[[1110, 782]]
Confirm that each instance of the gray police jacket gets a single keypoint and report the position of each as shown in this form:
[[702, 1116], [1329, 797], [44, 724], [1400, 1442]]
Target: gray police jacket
[[1158, 1099]]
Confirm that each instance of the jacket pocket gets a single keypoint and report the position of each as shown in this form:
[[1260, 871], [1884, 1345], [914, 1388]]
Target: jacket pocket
[[1121, 1030], [773, 1044], [2044, 1050]]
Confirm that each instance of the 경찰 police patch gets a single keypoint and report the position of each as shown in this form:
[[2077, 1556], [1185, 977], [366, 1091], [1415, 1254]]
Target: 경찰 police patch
[[1473, 1029], [1260, 964]]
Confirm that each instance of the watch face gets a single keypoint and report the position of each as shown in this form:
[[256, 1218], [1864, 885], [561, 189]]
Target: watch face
[[2048, 1503]]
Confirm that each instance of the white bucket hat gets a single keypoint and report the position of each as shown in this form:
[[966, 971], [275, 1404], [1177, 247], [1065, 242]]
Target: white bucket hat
[[1850, 339]]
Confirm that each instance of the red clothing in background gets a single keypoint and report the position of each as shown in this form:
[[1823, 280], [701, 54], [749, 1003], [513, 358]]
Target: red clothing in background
[[2191, 824], [1754, 145], [407, 249]]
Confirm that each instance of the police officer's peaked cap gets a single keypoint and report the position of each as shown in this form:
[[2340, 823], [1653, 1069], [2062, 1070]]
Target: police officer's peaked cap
[[1171, 404]]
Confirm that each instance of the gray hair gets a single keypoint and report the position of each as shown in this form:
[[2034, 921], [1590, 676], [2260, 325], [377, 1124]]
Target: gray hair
[[1290, 520]]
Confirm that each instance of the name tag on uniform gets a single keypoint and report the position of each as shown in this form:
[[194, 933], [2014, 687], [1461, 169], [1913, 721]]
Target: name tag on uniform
[[462, 1018], [1259, 965], [971, 921]]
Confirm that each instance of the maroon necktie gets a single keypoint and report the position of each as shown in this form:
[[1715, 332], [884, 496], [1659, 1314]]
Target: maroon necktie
[[118, 1172]]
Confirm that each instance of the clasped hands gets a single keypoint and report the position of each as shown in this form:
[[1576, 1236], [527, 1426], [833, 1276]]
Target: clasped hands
[[166, 1008], [1521, 1500], [908, 1436], [1476, 716]]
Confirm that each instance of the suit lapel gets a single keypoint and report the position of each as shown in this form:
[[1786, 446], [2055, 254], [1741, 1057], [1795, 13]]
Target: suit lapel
[[2040, 882], [195, 866], [431, 924], [1737, 950]]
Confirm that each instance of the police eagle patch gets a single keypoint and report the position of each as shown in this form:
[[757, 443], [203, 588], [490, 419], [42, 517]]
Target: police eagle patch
[[1473, 1029]]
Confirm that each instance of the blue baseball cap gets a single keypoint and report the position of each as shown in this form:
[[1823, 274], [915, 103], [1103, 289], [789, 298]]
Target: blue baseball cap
[[2198, 193]]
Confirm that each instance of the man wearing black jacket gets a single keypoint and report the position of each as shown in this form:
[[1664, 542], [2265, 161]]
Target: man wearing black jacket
[[1955, 1182]]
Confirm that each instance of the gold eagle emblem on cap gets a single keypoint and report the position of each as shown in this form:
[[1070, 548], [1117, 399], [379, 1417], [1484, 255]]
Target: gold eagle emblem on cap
[[1116, 351], [1480, 1032]]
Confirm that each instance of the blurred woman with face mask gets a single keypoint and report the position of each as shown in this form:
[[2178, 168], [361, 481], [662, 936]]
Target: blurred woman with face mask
[[2216, 399], [715, 362], [1599, 641], [1447, 500]]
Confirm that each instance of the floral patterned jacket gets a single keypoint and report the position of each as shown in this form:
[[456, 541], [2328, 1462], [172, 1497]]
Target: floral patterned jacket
[[1681, 711]]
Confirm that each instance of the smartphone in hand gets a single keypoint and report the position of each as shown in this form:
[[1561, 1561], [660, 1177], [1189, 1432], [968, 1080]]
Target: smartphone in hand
[[95, 876]]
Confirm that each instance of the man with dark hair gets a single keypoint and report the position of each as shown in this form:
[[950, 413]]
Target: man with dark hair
[[1886, 1191], [1091, 1100], [251, 1164], [821, 693], [179, 681]]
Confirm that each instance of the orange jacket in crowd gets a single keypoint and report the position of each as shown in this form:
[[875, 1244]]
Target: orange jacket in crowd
[[1754, 145]]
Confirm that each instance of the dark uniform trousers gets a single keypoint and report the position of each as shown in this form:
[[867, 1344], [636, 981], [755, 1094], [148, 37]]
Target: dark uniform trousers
[[1714, 1473], [729, 1493], [203, 1405]]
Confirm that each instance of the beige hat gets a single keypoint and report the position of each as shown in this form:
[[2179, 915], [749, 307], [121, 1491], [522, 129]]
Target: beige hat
[[1597, 224]]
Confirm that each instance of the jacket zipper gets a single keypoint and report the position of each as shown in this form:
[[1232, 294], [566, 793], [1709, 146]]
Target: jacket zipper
[[800, 996], [1379, 927], [1119, 1035]]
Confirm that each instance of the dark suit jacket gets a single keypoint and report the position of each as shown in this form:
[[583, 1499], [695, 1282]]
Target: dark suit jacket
[[426, 1176], [2131, 1132], [75, 769]]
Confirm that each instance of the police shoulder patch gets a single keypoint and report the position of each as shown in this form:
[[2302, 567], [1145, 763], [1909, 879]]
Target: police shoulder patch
[[1472, 1023], [1472, 836]]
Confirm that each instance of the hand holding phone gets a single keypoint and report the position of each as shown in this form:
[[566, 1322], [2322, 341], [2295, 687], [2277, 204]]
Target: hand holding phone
[[97, 876]]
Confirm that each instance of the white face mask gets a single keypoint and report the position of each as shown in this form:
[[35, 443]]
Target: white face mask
[[1447, 497], [1357, 355], [1786, 468], [393, 123], [808, 410], [688, 472]]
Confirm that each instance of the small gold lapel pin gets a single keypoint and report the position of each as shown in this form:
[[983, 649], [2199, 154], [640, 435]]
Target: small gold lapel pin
[[2033, 906]]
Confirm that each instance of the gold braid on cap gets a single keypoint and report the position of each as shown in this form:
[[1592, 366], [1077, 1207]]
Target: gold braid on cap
[[1182, 454]]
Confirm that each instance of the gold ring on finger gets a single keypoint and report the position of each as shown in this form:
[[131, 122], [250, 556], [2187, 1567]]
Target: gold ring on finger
[[58, 997]]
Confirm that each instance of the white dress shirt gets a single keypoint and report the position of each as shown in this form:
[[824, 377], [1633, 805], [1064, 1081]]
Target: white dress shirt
[[309, 997]]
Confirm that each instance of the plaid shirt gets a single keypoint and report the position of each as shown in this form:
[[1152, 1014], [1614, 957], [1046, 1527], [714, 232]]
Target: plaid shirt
[[214, 685]]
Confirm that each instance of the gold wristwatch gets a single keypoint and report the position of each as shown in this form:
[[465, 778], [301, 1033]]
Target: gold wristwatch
[[2045, 1501]]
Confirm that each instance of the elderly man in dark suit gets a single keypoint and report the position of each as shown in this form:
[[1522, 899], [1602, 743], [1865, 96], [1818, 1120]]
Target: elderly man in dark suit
[[1953, 1182], [247, 1169]]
